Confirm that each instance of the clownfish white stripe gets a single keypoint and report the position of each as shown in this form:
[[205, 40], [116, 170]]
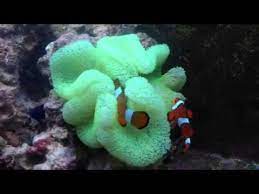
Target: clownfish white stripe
[[128, 115], [188, 141], [177, 104], [117, 92], [181, 121]]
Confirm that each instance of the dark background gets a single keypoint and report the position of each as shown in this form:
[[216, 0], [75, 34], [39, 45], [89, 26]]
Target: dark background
[[220, 61]]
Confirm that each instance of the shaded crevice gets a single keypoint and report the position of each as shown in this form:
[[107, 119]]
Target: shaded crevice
[[218, 60], [32, 82]]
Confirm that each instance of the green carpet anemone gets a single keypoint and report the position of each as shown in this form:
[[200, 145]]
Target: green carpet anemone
[[83, 75]]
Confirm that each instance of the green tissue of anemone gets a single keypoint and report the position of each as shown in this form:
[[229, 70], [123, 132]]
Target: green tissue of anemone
[[83, 76]]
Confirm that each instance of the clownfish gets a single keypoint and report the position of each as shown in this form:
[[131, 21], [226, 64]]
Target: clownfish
[[138, 119]]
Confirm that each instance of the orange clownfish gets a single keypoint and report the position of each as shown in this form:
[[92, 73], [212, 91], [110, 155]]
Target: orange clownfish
[[138, 119]]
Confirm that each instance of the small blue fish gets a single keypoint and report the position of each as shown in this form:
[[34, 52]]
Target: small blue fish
[[37, 113]]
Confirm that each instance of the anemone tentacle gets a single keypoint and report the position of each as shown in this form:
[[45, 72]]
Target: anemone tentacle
[[83, 75]]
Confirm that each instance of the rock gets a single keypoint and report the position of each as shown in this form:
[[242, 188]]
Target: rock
[[12, 138], [68, 38], [254, 167], [57, 155], [16, 50], [216, 156], [3, 142], [13, 157], [11, 115], [58, 158], [92, 32], [58, 29], [102, 160], [95, 30], [6, 29], [146, 40], [15, 151], [43, 166], [46, 152], [59, 133], [198, 160], [7, 109], [42, 136], [228, 164], [52, 108], [9, 61]]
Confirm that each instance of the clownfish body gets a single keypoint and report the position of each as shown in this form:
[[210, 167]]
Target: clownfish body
[[179, 116], [138, 119]]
